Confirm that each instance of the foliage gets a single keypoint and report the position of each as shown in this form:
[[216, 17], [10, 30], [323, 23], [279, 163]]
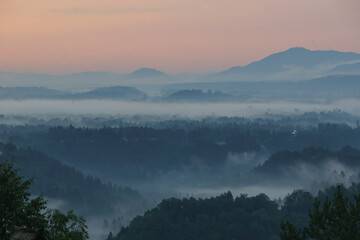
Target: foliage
[[242, 217], [222, 217], [132, 151], [65, 226], [294, 166], [334, 219], [18, 210], [56, 180]]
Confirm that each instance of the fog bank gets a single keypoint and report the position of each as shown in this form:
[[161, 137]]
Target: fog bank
[[192, 110]]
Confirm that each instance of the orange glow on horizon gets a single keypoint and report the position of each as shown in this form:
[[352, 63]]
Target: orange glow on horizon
[[62, 36]]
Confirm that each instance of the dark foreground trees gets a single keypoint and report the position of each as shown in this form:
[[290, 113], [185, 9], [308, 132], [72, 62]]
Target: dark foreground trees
[[338, 219], [216, 218], [18, 210], [333, 217]]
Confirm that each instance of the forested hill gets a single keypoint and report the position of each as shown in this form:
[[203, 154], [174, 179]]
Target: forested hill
[[347, 156], [143, 152], [87, 194], [224, 217], [310, 167]]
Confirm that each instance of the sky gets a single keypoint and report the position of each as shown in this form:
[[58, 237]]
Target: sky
[[188, 36]]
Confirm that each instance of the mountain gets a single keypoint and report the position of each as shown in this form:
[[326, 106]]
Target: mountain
[[353, 68], [117, 92], [294, 63], [75, 81], [148, 76], [346, 85], [334, 84], [147, 73], [29, 93]]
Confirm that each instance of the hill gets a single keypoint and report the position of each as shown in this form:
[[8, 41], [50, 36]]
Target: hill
[[313, 167], [87, 194], [333, 85], [19, 93], [144, 153], [225, 216], [147, 73], [294, 63], [222, 217], [197, 95], [118, 92]]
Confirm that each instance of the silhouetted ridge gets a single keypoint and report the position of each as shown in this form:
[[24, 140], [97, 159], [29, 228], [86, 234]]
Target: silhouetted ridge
[[147, 73]]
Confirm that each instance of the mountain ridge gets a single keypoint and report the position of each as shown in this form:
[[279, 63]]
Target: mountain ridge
[[296, 63], [147, 73], [293, 62]]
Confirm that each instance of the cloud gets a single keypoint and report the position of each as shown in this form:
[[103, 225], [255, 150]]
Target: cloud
[[314, 177]]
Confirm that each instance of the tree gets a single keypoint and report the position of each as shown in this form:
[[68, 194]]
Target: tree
[[18, 210], [65, 226], [334, 219]]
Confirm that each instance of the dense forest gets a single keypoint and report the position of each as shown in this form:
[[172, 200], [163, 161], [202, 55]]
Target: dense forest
[[348, 156], [226, 216], [88, 169], [309, 166], [87, 194], [21, 123], [179, 120], [144, 152]]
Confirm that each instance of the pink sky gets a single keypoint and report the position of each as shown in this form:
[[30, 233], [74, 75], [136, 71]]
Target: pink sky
[[63, 36]]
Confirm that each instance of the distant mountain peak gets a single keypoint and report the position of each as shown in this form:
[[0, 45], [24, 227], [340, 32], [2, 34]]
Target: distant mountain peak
[[294, 63], [146, 73], [144, 69], [298, 49]]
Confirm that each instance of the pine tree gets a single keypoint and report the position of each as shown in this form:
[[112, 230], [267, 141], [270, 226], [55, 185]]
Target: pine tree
[[334, 219], [17, 210]]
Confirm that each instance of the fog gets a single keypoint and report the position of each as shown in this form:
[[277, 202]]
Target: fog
[[204, 184], [193, 110], [99, 226], [272, 191], [309, 177], [313, 178], [237, 176], [196, 179], [53, 203], [243, 162]]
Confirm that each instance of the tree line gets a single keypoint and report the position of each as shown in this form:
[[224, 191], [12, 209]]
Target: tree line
[[332, 214]]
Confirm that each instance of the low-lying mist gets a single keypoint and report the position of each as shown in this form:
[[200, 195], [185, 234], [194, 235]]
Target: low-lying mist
[[204, 184], [313, 178], [192, 110], [196, 178]]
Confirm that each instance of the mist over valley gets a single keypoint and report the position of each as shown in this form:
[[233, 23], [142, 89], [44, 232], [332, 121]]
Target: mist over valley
[[118, 147]]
